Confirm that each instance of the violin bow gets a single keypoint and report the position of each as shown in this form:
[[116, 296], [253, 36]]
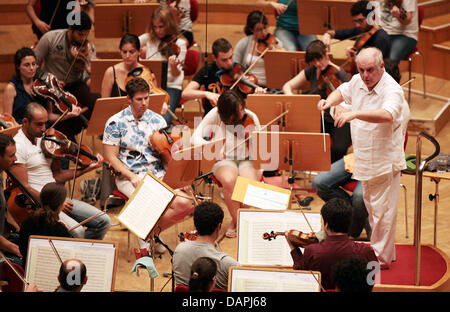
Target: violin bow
[[323, 131], [101, 213], [54, 13], [76, 57], [262, 128], [14, 269], [55, 251], [409, 81], [248, 69]]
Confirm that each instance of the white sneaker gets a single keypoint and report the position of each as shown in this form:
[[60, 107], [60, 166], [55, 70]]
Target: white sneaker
[[160, 249]]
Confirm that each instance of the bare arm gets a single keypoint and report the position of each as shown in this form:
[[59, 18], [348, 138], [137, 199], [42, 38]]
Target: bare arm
[[111, 153], [395, 11], [374, 116], [107, 82], [42, 26], [21, 173], [295, 83], [63, 175], [278, 7], [192, 92], [8, 98]]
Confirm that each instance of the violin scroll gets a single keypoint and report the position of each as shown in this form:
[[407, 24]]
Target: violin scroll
[[297, 238]]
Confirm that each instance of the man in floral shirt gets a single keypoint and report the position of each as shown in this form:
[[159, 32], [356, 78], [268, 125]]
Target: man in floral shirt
[[126, 145]]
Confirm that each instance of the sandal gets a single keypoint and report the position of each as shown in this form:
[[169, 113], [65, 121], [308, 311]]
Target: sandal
[[231, 233]]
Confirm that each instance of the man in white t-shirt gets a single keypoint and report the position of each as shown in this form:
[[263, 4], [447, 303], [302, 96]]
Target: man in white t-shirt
[[378, 117], [402, 25], [35, 170]]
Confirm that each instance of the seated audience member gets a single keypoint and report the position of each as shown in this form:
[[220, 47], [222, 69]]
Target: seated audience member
[[45, 221], [208, 218], [203, 275], [336, 214], [352, 275]]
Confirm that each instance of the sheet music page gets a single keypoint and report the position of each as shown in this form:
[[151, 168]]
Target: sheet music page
[[43, 265], [265, 199], [254, 250], [145, 208], [264, 280]]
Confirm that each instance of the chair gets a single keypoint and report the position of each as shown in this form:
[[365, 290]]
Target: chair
[[416, 52], [194, 10]]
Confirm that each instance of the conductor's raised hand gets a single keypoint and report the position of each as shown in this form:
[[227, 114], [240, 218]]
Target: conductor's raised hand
[[323, 105], [343, 118]]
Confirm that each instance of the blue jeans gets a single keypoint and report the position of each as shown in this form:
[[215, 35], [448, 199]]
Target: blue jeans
[[95, 229], [292, 40], [328, 185], [175, 97], [401, 47]]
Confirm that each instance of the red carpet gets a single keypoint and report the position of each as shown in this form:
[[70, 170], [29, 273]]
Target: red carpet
[[402, 271]]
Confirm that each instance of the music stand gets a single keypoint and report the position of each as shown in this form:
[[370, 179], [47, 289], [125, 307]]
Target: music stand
[[282, 66], [299, 151], [115, 20], [303, 115], [318, 16], [107, 107], [99, 66]]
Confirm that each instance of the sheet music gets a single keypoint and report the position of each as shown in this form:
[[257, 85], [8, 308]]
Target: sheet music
[[254, 250], [265, 199], [43, 265], [145, 206], [265, 280]]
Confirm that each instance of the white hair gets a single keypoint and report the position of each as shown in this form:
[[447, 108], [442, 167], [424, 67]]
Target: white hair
[[370, 51]]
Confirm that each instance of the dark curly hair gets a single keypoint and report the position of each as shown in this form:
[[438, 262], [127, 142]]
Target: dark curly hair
[[350, 275], [207, 217], [337, 212]]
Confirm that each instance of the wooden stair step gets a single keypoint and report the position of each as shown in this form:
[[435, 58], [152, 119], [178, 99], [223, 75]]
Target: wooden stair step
[[443, 46], [436, 22], [434, 7]]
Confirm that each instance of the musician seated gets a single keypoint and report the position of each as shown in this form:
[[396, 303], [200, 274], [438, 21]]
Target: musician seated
[[206, 84], [45, 221], [323, 77], [127, 147], [336, 215], [352, 275], [67, 54], [208, 218], [370, 34], [68, 269], [35, 170], [50, 16], [226, 121], [165, 42], [19, 91], [203, 275], [257, 40], [8, 235], [402, 25]]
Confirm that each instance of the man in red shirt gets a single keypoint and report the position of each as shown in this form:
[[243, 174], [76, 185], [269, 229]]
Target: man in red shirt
[[322, 257]]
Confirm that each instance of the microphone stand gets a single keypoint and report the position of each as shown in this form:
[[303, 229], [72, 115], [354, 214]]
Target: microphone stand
[[158, 240]]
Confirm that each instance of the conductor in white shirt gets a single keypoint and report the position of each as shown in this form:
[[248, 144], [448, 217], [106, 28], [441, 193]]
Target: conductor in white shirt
[[378, 117]]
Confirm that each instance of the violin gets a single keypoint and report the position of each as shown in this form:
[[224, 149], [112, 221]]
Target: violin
[[177, 13], [297, 238], [47, 86], [162, 141], [7, 121], [82, 53], [247, 84], [192, 236], [168, 47], [350, 64], [270, 42], [397, 3], [21, 203], [56, 145], [328, 80], [146, 74]]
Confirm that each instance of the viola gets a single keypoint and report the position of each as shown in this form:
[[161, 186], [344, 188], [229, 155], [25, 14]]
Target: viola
[[328, 80], [350, 64], [162, 141], [168, 47], [146, 74], [56, 145], [82, 53], [46, 85], [270, 42], [247, 84], [397, 3], [297, 238], [21, 203], [7, 121], [192, 236]]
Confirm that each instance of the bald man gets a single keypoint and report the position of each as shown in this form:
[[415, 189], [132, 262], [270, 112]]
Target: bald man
[[72, 276], [378, 114]]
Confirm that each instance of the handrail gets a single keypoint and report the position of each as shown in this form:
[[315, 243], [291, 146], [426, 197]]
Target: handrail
[[420, 167]]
